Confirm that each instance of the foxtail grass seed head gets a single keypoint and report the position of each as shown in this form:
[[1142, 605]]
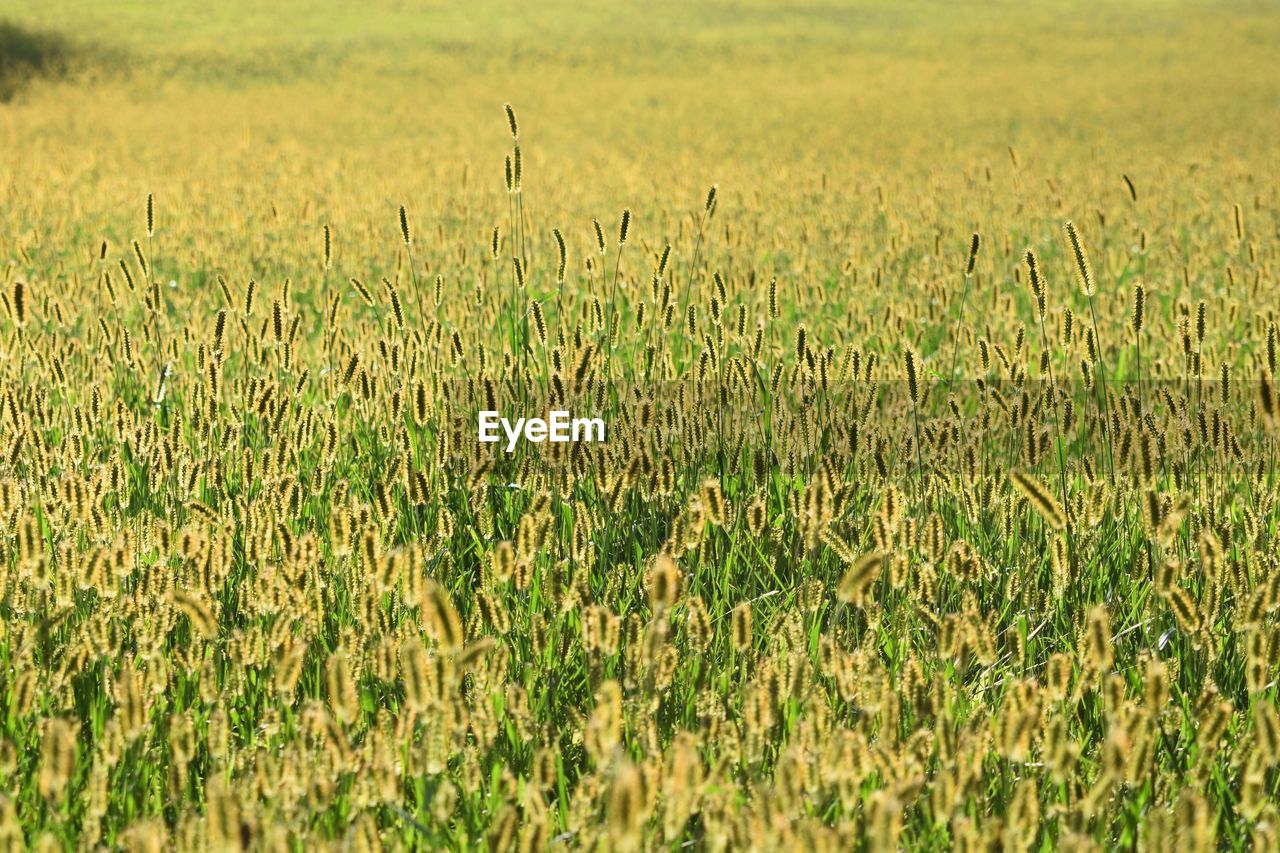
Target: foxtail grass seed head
[[397, 312], [623, 227], [1138, 315], [1268, 405], [511, 122], [599, 235], [404, 226], [1040, 498], [277, 321], [1084, 272], [859, 577], [539, 321], [365, 295], [1273, 347], [1037, 283], [909, 359], [973, 255], [741, 626], [562, 255], [128, 275], [142, 259], [20, 303]]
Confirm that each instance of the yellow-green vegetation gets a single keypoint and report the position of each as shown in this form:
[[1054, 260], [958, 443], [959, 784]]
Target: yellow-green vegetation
[[937, 346]]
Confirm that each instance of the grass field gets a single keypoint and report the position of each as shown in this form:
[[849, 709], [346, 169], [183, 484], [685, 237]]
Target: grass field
[[936, 344]]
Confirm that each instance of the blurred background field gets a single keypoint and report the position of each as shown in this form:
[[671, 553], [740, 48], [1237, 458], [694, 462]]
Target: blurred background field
[[809, 116]]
